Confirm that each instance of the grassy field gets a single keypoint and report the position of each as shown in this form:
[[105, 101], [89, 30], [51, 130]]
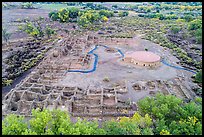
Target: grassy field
[[53, 6]]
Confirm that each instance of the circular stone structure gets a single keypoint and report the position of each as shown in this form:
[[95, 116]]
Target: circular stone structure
[[143, 58]]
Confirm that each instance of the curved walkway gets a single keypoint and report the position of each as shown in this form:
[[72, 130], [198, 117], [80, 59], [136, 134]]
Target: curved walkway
[[122, 56], [177, 67], [95, 61]]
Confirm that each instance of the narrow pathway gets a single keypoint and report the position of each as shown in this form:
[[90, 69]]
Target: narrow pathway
[[177, 67], [95, 61], [122, 56]]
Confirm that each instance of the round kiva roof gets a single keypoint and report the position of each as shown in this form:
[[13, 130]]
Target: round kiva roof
[[144, 56]]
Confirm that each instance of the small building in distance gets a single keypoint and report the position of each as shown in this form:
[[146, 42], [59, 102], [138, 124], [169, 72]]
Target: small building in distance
[[143, 58]]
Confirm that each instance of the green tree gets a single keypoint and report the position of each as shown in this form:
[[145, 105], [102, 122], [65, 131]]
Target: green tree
[[113, 128], [53, 16], [136, 125], [88, 17], [63, 15], [13, 125], [173, 114], [73, 12], [41, 122], [161, 114]]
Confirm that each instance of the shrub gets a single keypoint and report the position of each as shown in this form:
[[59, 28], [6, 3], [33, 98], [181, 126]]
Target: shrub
[[53, 15], [40, 18], [104, 19], [71, 3], [160, 16], [39, 28], [84, 18], [115, 6], [123, 14], [198, 35], [188, 18], [36, 30], [27, 5], [49, 31], [30, 29], [198, 77], [106, 13], [5, 34], [148, 10], [106, 79], [8, 82], [141, 15], [195, 24], [175, 29]]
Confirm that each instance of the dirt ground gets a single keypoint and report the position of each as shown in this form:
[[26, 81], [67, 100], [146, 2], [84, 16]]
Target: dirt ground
[[111, 66], [89, 94], [10, 19], [10, 16]]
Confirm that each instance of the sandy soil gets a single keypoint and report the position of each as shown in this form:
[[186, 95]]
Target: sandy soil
[[10, 16], [110, 65]]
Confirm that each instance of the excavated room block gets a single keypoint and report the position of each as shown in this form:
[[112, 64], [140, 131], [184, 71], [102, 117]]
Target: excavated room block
[[29, 96], [109, 100], [17, 96], [25, 107]]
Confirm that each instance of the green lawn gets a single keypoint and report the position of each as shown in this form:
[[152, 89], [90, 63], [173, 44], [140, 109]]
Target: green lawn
[[53, 6]]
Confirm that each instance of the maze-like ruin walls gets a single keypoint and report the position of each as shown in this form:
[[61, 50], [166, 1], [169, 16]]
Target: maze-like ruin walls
[[77, 101], [173, 86], [38, 90], [41, 90]]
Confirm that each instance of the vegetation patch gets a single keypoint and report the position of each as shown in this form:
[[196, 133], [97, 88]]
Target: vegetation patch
[[159, 115]]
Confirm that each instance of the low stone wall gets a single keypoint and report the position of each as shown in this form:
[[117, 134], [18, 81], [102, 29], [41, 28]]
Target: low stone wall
[[139, 63]]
